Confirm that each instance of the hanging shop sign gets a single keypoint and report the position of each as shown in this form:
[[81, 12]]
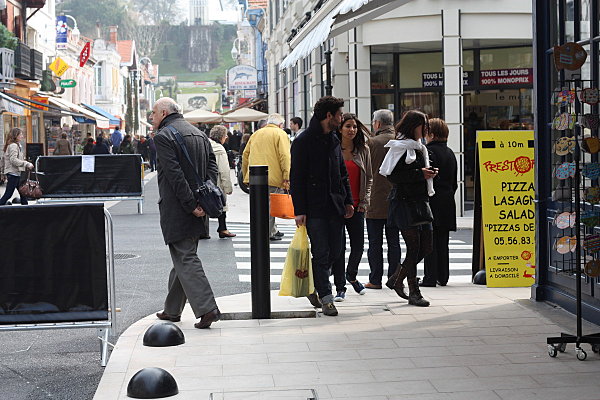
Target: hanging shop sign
[[506, 164], [39, 99], [436, 79], [242, 77], [67, 83], [85, 54], [58, 66], [509, 76], [61, 32]]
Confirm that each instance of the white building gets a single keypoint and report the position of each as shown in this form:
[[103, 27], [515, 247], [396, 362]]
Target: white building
[[41, 31], [445, 58], [110, 78], [199, 12]]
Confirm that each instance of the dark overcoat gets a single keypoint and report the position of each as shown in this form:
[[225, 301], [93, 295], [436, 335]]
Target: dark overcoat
[[176, 179], [445, 184]]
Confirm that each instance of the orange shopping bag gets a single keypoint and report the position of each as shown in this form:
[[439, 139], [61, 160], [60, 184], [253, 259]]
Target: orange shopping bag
[[281, 205]]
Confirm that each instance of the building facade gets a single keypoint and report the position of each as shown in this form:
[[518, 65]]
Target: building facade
[[467, 62], [199, 12]]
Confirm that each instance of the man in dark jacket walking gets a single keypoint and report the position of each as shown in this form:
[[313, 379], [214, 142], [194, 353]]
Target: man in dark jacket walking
[[181, 218], [321, 192], [383, 126]]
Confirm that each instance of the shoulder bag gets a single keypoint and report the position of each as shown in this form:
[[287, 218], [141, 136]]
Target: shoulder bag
[[208, 195], [30, 189]]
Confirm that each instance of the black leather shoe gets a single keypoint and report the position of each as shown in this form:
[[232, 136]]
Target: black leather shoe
[[427, 284], [208, 318], [274, 238], [167, 317], [279, 234], [204, 237]]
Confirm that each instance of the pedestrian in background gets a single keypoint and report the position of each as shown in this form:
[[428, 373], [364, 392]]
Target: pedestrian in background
[[270, 146], [296, 127], [14, 164], [152, 151], [443, 206], [143, 149], [116, 138], [126, 146], [63, 146], [357, 158], [100, 147], [89, 146], [218, 136], [321, 193], [182, 220], [377, 212], [406, 165]]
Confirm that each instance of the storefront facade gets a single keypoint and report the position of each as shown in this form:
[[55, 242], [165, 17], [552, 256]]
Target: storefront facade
[[559, 22], [470, 63]]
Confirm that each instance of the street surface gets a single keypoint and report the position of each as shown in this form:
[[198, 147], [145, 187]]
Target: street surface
[[65, 364]]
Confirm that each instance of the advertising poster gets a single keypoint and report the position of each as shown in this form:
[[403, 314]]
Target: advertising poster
[[242, 77], [61, 32], [506, 164]]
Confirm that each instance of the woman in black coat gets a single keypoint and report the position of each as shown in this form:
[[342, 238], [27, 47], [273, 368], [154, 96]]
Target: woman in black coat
[[437, 263], [407, 167]]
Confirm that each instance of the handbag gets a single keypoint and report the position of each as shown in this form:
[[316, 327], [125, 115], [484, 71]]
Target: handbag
[[208, 195], [30, 189], [281, 205], [418, 212]]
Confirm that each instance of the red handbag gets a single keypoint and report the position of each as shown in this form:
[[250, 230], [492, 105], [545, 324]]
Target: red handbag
[[30, 189]]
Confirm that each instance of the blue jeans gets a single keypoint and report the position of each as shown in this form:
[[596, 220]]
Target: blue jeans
[[12, 183], [355, 227], [326, 238], [375, 228]]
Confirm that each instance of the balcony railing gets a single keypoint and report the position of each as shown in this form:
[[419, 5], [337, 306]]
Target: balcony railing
[[7, 62], [23, 61]]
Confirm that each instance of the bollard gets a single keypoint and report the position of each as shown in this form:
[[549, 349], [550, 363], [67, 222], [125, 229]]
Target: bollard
[[259, 242]]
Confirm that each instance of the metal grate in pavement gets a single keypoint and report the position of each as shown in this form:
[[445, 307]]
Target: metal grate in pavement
[[125, 256]]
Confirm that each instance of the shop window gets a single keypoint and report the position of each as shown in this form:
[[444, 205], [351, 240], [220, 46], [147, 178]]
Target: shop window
[[382, 71], [382, 101], [427, 102], [413, 66], [468, 60], [513, 57]]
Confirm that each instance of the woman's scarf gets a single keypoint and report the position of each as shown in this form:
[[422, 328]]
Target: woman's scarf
[[397, 148]]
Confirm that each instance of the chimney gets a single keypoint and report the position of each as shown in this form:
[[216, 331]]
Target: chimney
[[113, 33], [98, 30]]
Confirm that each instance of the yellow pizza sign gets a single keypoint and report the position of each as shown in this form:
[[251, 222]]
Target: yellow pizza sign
[[506, 164], [58, 66]]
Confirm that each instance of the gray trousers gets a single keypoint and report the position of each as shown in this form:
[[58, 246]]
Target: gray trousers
[[188, 281], [272, 226]]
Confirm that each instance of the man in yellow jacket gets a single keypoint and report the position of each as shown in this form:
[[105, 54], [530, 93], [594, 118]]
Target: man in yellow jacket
[[270, 146]]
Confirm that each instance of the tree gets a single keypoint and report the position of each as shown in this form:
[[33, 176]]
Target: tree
[[148, 38], [154, 12], [109, 12]]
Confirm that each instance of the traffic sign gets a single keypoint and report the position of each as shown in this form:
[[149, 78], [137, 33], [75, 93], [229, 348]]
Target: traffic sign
[[58, 66], [67, 83], [85, 54]]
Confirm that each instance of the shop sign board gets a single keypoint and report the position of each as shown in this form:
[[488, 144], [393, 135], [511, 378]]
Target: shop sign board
[[12, 107], [61, 32], [40, 99], [67, 83], [58, 66], [506, 165], [508, 76], [251, 94], [242, 77], [85, 54], [436, 79]]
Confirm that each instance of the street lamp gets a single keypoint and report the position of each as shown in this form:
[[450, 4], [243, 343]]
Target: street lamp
[[235, 53], [75, 32]]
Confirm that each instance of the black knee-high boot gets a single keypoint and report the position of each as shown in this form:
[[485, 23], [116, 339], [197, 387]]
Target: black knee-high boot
[[395, 282], [414, 293]]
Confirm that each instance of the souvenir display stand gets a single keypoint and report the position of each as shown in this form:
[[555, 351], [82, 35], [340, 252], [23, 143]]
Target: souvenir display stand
[[574, 220]]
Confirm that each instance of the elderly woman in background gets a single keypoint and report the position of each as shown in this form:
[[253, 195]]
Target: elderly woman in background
[[218, 136]]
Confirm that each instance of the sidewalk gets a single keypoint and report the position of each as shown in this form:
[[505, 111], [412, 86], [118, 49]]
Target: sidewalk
[[473, 342]]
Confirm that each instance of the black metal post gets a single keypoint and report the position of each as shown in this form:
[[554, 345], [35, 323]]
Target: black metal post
[[328, 84], [259, 242]]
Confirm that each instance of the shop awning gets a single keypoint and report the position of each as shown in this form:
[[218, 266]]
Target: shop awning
[[90, 116], [112, 120], [11, 105], [41, 107], [333, 19]]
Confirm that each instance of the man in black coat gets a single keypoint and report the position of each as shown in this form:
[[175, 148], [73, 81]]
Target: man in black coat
[[321, 192], [182, 220]]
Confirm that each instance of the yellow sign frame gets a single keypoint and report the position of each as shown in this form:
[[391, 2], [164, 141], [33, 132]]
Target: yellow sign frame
[[506, 170]]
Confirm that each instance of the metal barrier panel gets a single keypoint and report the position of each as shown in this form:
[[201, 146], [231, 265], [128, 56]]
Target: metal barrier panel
[[53, 266], [97, 176]]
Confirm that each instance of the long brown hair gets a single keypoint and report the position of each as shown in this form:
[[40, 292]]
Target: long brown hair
[[12, 136], [362, 132], [411, 120]]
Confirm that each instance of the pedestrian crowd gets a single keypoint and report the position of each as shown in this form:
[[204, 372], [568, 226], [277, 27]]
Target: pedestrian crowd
[[398, 180]]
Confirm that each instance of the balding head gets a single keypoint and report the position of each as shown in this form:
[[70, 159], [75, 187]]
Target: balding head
[[163, 107]]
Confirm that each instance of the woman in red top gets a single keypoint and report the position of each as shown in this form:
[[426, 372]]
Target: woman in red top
[[353, 135]]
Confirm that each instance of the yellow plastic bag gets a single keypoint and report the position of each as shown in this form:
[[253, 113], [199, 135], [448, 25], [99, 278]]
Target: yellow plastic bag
[[297, 276]]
